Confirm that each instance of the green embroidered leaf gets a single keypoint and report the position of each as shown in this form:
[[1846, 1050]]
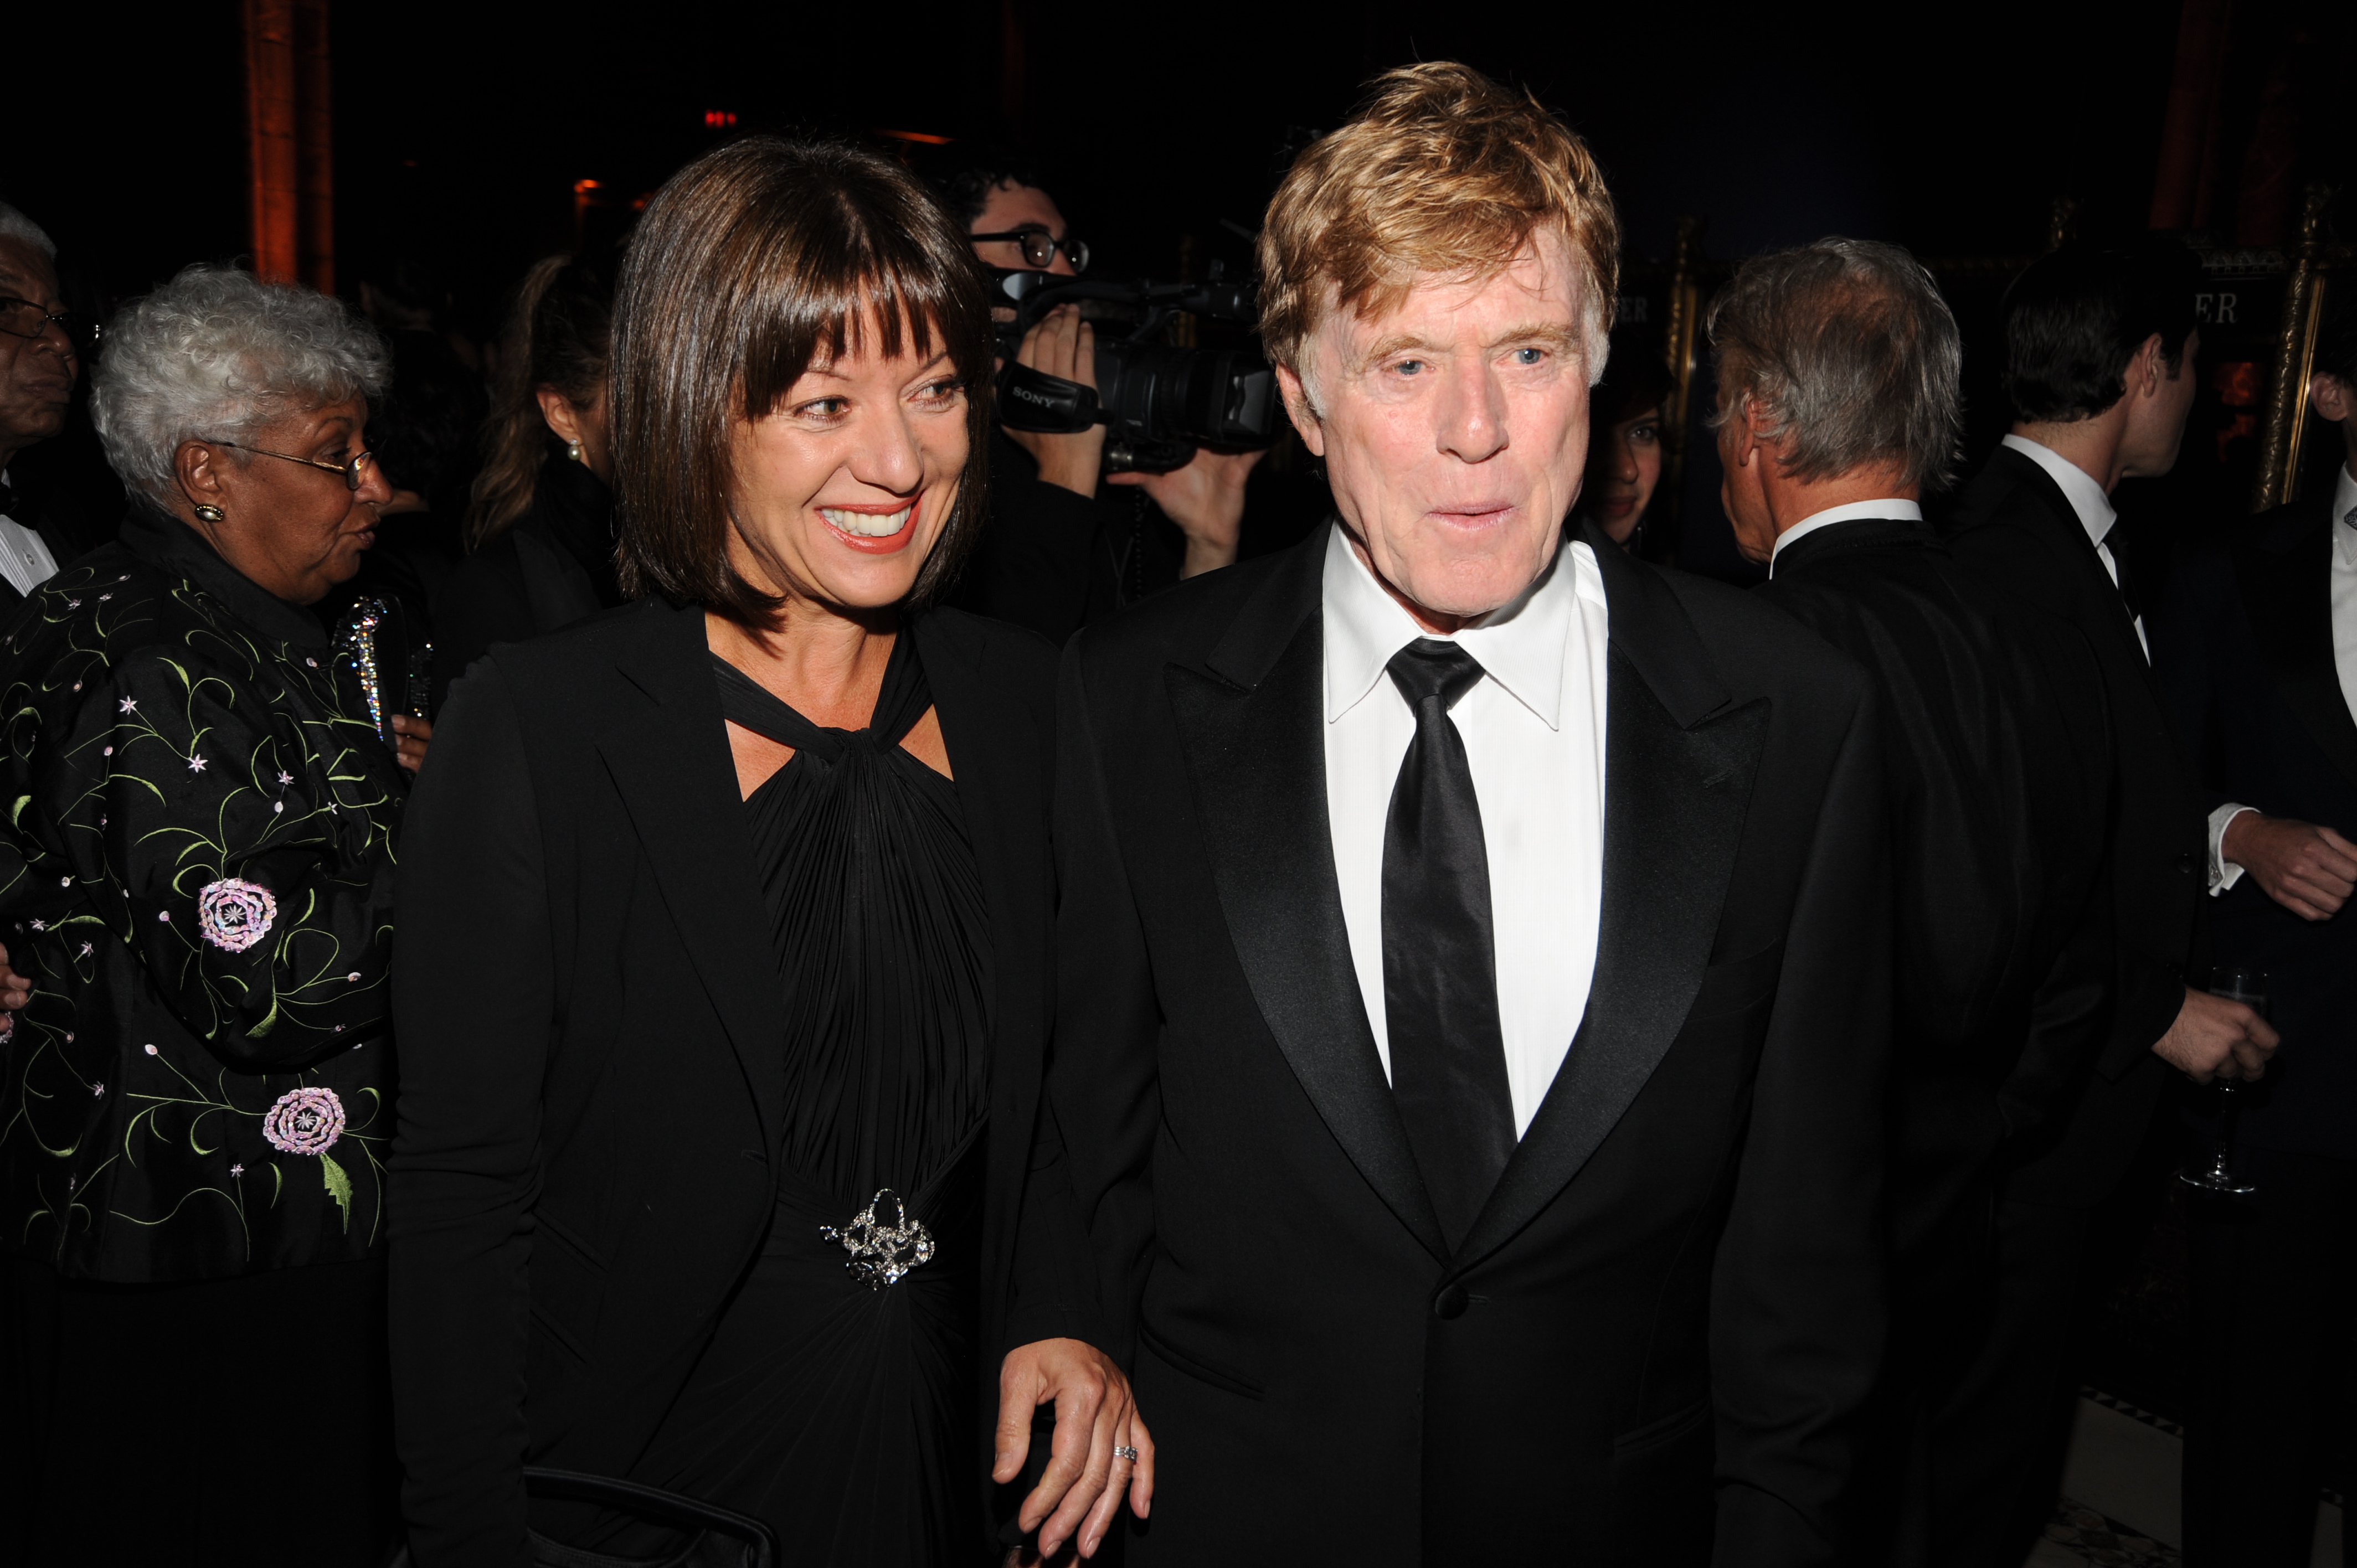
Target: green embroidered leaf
[[339, 1187]]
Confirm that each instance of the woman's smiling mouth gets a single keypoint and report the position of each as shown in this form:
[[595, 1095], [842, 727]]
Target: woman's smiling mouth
[[868, 524]]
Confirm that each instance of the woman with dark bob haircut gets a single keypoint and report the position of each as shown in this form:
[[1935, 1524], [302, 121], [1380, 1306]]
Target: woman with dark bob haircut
[[723, 989]]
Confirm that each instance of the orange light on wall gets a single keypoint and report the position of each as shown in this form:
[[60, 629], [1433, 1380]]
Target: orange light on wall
[[926, 137], [290, 149], [273, 193], [585, 196], [718, 119]]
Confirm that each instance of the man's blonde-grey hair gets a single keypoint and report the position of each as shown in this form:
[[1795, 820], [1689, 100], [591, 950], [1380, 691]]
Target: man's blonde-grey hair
[[1443, 171], [1847, 354], [217, 353]]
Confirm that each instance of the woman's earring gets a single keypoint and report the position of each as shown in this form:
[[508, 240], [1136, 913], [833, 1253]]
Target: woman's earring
[[209, 513], [573, 450]]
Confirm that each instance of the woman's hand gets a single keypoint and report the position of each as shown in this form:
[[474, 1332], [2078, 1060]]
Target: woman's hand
[[1064, 345], [412, 733], [14, 989], [1095, 1414]]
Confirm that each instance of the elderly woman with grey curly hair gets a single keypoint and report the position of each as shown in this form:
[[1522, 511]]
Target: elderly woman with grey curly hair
[[197, 877]]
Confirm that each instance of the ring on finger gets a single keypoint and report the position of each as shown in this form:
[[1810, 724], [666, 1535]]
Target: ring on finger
[[1124, 1451]]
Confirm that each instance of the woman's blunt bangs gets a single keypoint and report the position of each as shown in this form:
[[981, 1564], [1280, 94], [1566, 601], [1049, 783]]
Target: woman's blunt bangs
[[752, 263]]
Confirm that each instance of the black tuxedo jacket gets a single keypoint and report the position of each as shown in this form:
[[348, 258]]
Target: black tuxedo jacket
[[1997, 755], [2244, 649], [2013, 526], [1670, 1312], [592, 1035]]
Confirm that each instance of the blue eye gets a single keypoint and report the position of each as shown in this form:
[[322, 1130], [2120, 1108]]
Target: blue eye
[[1529, 356], [1408, 367]]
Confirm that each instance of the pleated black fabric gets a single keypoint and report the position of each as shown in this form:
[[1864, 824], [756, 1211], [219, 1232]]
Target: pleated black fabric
[[843, 1413]]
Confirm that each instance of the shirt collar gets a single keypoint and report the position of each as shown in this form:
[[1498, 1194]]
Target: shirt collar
[[1519, 645], [166, 542], [2079, 487], [2344, 515], [1890, 510]]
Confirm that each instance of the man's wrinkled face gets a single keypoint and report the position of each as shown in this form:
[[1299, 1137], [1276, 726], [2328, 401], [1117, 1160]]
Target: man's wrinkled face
[[1454, 429], [37, 374]]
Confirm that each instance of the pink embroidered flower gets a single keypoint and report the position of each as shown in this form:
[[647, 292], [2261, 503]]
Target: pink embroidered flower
[[234, 914], [196, 763], [237, 1170], [305, 1122]]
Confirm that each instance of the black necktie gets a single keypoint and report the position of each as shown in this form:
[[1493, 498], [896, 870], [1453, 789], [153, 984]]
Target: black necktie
[[1440, 967], [2115, 540]]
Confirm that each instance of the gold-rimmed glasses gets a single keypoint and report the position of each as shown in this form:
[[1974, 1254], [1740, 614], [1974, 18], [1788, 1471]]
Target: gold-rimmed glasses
[[350, 470]]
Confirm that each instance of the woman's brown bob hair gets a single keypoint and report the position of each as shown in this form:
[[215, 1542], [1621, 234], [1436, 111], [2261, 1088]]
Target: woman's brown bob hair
[[753, 262]]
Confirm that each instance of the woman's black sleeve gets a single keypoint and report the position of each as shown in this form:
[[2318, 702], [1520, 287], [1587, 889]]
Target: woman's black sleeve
[[473, 1003]]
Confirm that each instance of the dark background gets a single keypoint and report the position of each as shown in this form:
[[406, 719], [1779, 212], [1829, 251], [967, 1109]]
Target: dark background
[[462, 127]]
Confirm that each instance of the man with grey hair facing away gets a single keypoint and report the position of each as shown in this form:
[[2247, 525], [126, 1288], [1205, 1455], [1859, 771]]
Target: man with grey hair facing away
[[42, 349], [1838, 407]]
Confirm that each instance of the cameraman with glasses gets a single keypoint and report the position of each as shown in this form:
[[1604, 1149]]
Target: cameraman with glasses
[[1062, 551], [42, 351]]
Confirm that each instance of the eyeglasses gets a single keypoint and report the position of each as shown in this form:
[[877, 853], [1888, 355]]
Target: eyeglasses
[[1039, 247], [351, 471], [24, 318]]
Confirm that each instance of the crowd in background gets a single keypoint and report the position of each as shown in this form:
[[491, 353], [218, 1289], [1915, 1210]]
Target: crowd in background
[[2117, 795]]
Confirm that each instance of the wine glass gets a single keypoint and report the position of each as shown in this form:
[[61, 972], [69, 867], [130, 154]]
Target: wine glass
[[2249, 987]]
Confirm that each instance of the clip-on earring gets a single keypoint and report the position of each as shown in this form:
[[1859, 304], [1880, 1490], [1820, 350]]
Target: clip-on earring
[[209, 513], [573, 450]]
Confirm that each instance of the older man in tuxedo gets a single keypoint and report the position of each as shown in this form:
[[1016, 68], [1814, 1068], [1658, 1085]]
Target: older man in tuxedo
[[1474, 979], [1839, 404]]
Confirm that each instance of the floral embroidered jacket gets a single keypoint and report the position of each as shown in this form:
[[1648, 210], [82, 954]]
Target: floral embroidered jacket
[[197, 870]]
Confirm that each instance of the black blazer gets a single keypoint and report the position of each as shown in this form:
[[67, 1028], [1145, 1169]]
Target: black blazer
[[1674, 1290], [2013, 526], [2244, 649], [551, 567], [1998, 753], [592, 1030]]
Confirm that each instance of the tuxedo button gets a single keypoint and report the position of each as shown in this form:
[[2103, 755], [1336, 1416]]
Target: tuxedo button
[[1450, 1302], [2187, 862]]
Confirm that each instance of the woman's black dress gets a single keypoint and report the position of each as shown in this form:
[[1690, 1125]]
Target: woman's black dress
[[835, 1400]]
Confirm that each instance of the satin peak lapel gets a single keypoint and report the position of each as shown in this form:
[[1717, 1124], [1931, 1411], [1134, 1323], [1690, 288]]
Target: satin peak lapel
[[1678, 768], [1259, 760]]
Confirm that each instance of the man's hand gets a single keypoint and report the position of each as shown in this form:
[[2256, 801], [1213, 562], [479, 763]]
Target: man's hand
[[1206, 500], [1082, 1487], [14, 989], [1062, 344], [2307, 869], [2215, 1038], [410, 735]]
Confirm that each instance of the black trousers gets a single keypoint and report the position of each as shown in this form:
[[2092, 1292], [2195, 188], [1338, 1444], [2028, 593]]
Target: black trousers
[[243, 1422], [1992, 1460], [2271, 1325]]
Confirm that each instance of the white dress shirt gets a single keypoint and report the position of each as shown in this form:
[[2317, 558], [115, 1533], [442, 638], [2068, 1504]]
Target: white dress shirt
[[25, 561], [1534, 733], [2225, 873], [2088, 499], [1891, 508]]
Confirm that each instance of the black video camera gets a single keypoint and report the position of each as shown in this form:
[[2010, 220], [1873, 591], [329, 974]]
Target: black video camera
[[1157, 400]]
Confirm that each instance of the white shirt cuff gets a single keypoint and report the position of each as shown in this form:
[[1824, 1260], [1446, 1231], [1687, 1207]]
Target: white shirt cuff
[[2223, 872]]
